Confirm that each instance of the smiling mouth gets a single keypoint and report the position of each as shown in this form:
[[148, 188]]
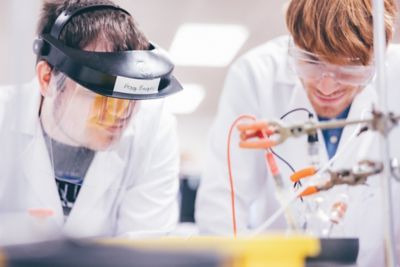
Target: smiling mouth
[[335, 96]]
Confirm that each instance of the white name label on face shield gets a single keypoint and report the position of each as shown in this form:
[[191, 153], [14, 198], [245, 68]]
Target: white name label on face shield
[[136, 86]]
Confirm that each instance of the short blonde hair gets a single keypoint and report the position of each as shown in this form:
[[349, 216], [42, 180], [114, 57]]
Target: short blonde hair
[[337, 30]]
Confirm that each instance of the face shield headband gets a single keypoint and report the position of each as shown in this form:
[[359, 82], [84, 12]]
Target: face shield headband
[[134, 74]]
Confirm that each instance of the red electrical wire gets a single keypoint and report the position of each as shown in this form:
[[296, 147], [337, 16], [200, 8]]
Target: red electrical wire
[[232, 188]]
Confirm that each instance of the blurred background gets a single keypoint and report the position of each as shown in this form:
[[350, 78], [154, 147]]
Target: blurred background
[[207, 34], [203, 38]]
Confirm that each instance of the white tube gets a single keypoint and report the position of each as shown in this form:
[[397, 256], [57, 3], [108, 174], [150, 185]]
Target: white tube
[[379, 52]]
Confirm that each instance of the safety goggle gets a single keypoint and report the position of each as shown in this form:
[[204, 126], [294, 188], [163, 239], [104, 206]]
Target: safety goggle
[[308, 66]]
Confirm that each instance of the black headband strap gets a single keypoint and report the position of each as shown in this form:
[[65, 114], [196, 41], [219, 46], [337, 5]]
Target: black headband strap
[[67, 14]]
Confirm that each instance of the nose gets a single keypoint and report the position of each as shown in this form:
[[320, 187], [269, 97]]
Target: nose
[[327, 83]]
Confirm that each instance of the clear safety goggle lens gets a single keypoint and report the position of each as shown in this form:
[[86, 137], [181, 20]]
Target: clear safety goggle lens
[[308, 66]]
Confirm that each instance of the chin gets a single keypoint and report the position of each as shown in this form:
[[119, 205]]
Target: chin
[[329, 111], [102, 140], [102, 144]]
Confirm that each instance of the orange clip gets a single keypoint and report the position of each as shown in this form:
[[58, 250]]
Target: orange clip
[[297, 176], [261, 144], [309, 191], [258, 126], [258, 129]]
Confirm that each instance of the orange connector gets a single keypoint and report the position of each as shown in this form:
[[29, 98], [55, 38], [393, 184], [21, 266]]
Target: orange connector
[[309, 191], [297, 176], [258, 129]]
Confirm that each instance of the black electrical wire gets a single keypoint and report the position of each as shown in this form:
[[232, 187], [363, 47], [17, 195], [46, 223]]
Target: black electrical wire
[[310, 115], [283, 160]]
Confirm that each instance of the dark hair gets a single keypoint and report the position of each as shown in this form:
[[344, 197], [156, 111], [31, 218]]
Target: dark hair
[[115, 27]]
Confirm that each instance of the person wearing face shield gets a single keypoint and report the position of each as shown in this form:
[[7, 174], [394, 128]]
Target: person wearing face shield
[[325, 68], [87, 144]]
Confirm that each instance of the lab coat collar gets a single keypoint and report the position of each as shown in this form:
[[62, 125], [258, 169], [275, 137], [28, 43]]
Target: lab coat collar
[[35, 162], [103, 175], [284, 72], [105, 169], [299, 99], [362, 103], [275, 55], [361, 108], [39, 174], [26, 108]]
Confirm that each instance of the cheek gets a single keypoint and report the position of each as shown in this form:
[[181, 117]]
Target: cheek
[[100, 139], [352, 92], [75, 114], [308, 85], [62, 102]]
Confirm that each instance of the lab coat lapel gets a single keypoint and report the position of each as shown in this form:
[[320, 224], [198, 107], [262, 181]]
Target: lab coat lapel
[[361, 107], [362, 104], [363, 198], [295, 149], [35, 162], [103, 180], [107, 178], [38, 172]]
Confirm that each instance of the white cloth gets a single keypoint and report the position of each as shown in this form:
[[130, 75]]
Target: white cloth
[[262, 83], [131, 189]]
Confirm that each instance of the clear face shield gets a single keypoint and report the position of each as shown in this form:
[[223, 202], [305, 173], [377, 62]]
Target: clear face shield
[[80, 126], [79, 147], [78, 138], [80, 150], [74, 115]]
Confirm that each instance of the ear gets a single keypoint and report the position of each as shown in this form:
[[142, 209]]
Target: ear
[[43, 72]]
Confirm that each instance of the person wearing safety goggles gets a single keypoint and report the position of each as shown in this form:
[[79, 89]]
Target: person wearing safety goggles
[[323, 71], [88, 145], [331, 84]]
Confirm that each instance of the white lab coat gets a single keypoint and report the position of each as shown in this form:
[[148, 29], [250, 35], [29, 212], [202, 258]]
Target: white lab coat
[[121, 194], [261, 83]]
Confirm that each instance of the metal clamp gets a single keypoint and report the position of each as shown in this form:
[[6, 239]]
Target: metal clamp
[[265, 134], [356, 176]]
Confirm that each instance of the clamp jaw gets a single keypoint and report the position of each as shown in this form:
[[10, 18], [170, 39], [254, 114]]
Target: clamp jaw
[[264, 134], [355, 176]]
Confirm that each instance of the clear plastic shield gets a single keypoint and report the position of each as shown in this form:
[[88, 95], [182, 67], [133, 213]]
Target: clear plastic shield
[[68, 158]]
